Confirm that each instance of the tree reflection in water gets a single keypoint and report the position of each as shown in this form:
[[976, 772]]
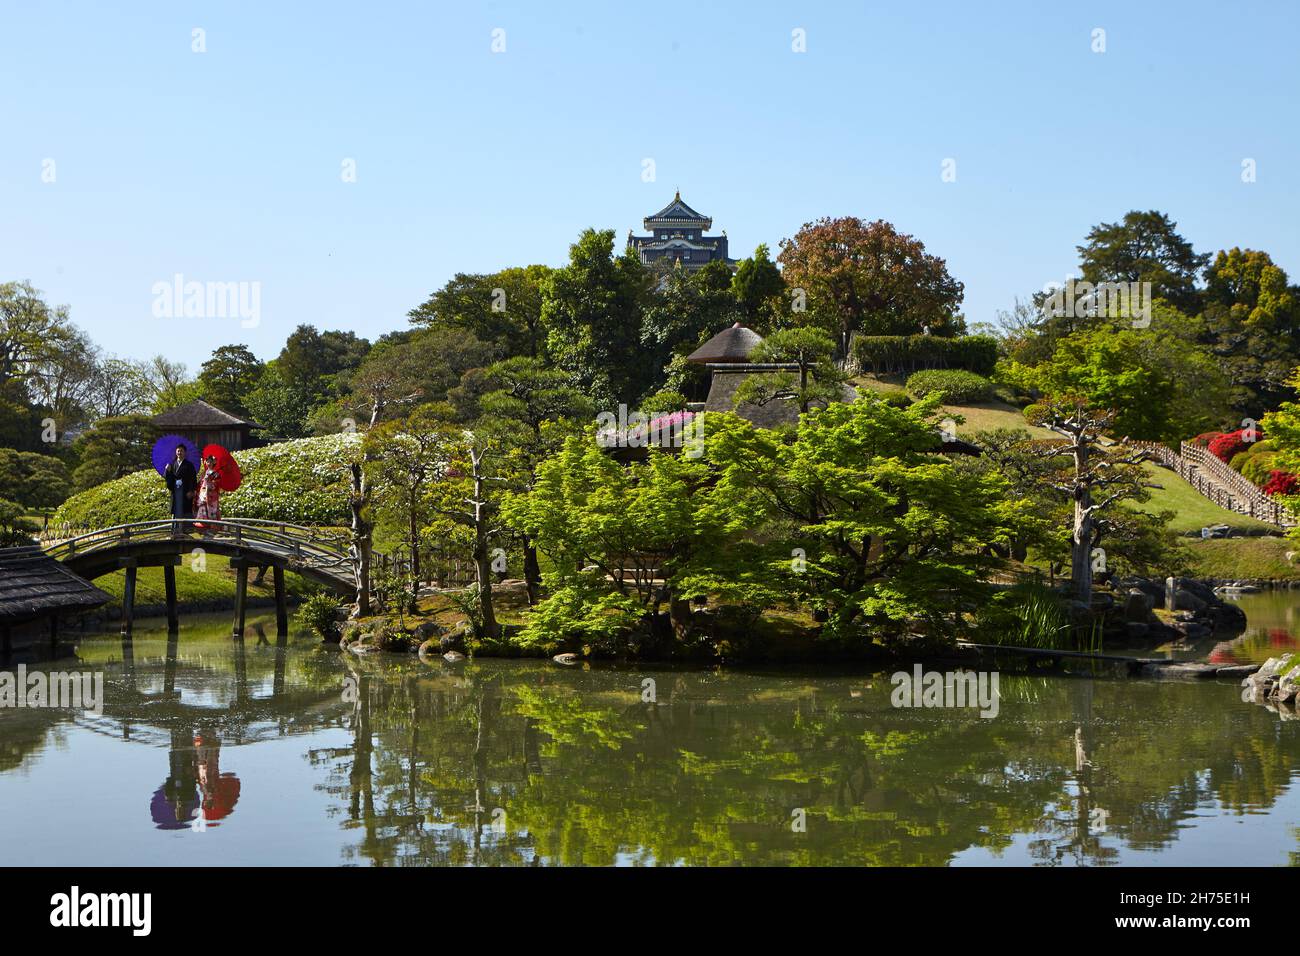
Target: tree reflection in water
[[522, 763]]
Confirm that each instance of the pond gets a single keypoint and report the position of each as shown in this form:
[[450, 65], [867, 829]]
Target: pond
[[213, 752]]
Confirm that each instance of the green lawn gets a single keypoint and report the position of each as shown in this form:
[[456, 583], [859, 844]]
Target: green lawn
[[1191, 510], [979, 417], [1244, 558], [988, 416]]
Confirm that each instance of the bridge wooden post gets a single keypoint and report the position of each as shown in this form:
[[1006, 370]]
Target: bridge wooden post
[[169, 582], [241, 598], [281, 603], [128, 601]]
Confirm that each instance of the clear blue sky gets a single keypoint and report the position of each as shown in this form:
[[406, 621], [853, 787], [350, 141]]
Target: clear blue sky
[[225, 165]]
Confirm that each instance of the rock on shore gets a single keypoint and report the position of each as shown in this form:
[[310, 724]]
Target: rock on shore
[[1276, 682]]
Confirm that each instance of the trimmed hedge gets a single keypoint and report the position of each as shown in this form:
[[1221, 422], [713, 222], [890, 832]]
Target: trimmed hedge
[[955, 386], [300, 482], [882, 354]]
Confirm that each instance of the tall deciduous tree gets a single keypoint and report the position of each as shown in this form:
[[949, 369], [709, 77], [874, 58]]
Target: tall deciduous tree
[[502, 309], [759, 290], [1159, 385], [311, 363], [31, 331], [868, 277], [166, 381]]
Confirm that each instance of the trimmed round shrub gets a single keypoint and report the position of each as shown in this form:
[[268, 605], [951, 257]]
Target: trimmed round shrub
[[298, 482], [1034, 414], [1258, 468], [895, 399], [319, 614], [954, 386]]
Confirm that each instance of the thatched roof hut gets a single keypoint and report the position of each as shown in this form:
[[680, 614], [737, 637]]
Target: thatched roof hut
[[730, 345], [34, 588], [32, 584], [206, 424], [728, 378]]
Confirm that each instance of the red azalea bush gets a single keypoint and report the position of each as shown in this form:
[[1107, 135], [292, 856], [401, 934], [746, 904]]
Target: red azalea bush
[[1281, 483], [1204, 438], [1231, 443]]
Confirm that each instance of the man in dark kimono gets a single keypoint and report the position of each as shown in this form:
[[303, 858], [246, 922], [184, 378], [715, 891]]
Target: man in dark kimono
[[182, 480]]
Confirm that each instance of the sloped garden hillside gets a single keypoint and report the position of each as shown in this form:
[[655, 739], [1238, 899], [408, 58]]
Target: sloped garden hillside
[[302, 482]]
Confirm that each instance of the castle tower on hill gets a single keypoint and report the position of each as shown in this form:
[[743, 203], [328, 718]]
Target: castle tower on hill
[[676, 234]]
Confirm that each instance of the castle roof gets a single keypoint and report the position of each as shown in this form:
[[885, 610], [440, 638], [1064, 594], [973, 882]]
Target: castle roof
[[677, 213]]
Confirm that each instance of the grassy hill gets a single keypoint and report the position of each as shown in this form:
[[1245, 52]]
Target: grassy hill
[[300, 482], [979, 416], [1192, 510]]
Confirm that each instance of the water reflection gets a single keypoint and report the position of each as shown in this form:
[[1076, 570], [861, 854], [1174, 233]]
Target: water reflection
[[196, 794], [287, 752], [1273, 628]]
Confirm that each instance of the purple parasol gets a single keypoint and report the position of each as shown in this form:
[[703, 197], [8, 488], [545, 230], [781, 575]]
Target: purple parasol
[[164, 452], [174, 808]]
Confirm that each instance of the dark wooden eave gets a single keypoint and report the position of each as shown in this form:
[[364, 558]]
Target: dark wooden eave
[[34, 585]]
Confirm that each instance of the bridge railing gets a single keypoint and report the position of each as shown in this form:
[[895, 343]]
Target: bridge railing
[[322, 548]]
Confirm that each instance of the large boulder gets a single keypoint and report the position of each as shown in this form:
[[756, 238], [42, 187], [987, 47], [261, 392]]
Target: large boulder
[[1136, 630], [1186, 600], [1192, 630], [1137, 606]]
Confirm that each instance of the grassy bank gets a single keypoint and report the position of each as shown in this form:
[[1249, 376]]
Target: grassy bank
[[1192, 511], [979, 416], [1245, 559], [214, 586]]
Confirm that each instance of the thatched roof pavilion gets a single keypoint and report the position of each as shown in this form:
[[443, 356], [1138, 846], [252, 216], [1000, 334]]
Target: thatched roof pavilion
[[35, 588], [730, 345], [206, 424]]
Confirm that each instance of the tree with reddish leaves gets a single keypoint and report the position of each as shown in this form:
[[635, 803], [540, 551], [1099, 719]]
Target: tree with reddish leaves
[[868, 277]]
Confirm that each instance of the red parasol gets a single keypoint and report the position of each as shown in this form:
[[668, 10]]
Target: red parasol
[[231, 478]]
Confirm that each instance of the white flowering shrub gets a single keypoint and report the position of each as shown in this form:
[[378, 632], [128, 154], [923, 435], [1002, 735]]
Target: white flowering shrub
[[300, 482]]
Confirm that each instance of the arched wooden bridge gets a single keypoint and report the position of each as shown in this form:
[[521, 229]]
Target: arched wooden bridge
[[319, 554]]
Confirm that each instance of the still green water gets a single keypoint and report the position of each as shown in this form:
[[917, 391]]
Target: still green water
[[212, 752]]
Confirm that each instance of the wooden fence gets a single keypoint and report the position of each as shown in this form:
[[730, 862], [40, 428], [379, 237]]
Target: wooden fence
[[1215, 480]]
